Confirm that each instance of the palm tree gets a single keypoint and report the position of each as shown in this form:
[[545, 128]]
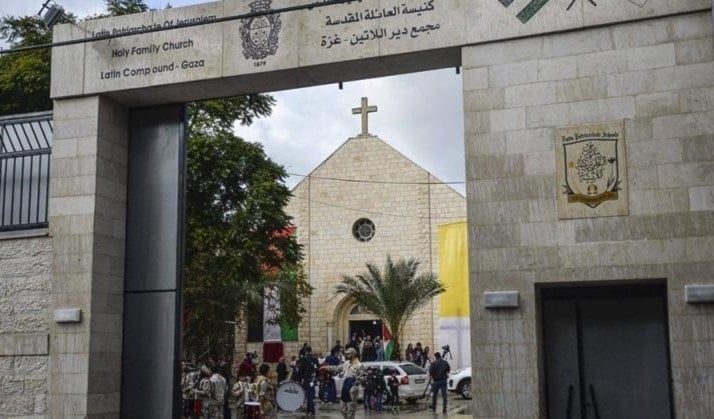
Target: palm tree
[[392, 295]]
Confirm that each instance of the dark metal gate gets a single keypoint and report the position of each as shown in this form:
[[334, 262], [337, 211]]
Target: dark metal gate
[[606, 352], [25, 148]]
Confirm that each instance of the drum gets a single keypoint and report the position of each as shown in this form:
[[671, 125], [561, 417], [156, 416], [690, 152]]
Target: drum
[[289, 396], [197, 407], [251, 410]]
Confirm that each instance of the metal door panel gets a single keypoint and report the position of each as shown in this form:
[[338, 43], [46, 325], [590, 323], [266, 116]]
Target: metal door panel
[[561, 359], [625, 358], [610, 345]]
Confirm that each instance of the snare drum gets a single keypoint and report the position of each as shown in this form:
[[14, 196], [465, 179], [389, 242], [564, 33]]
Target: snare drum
[[251, 410], [289, 396]]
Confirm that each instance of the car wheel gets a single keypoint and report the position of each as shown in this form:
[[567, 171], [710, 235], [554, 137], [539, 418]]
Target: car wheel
[[464, 388]]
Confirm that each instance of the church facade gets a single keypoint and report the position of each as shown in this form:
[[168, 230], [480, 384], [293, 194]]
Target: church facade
[[364, 202]]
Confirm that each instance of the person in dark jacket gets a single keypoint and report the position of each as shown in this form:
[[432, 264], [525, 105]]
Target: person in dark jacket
[[282, 370], [369, 353], [306, 370], [439, 373], [332, 360]]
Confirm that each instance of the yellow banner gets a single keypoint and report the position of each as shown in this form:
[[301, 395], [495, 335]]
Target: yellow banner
[[454, 270]]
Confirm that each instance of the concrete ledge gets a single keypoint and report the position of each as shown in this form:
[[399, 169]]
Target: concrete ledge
[[24, 234], [67, 315], [500, 299], [24, 344], [699, 294]]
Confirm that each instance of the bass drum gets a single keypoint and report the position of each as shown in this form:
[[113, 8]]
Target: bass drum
[[289, 396]]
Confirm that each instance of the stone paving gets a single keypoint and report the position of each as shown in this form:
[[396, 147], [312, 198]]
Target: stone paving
[[456, 407]]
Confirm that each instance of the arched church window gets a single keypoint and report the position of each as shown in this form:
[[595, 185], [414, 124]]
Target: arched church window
[[363, 229]]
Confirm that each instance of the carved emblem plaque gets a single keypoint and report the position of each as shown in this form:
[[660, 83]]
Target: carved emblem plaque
[[591, 171], [260, 32]]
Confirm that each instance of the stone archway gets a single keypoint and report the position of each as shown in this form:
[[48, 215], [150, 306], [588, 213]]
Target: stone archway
[[346, 312]]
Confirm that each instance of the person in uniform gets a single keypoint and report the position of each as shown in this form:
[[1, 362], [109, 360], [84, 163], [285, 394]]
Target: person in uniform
[[189, 381], [204, 391], [239, 396], [218, 395], [353, 373], [266, 392], [187, 386]]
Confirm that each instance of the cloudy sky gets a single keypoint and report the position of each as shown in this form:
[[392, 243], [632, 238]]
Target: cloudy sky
[[418, 114]]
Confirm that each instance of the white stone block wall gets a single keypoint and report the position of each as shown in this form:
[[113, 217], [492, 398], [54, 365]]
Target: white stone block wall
[[658, 76], [25, 279]]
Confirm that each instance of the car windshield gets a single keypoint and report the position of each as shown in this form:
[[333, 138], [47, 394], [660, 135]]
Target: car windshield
[[411, 369]]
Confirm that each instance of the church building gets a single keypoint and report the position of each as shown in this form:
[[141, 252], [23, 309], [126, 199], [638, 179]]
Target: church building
[[364, 202]]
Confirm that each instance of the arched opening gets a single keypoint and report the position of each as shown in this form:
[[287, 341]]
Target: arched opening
[[363, 323], [351, 318]]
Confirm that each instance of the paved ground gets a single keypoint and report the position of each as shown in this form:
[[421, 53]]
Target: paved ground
[[456, 407]]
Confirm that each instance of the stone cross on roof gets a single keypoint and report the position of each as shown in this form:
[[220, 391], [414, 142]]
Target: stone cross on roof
[[364, 110]]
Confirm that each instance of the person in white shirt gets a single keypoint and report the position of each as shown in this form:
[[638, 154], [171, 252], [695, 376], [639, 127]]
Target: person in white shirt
[[353, 373]]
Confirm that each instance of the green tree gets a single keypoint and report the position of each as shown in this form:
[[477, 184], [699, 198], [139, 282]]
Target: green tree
[[125, 7], [236, 244], [393, 294], [25, 76]]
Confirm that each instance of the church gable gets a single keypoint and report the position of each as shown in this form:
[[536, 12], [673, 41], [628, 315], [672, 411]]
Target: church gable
[[368, 158]]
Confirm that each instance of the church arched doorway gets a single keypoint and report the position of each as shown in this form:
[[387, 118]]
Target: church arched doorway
[[353, 319], [363, 323]]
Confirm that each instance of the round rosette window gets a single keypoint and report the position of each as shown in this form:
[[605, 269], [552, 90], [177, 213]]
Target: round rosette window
[[363, 229]]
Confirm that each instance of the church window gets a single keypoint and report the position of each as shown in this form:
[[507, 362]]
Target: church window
[[363, 229]]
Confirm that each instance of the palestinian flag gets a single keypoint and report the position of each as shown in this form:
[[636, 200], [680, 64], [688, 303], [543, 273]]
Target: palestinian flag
[[387, 343]]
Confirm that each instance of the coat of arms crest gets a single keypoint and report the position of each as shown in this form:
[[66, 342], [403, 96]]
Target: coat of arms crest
[[260, 32], [591, 168]]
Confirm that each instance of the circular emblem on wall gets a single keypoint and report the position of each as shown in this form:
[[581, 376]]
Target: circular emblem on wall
[[260, 33], [363, 229]]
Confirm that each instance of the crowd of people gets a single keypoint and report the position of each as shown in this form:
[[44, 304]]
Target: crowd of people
[[206, 394], [422, 357], [213, 393]]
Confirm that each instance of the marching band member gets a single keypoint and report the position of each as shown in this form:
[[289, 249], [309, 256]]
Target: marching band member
[[239, 395], [266, 392], [204, 390]]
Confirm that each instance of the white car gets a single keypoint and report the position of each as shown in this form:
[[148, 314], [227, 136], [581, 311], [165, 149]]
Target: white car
[[413, 379], [460, 382]]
